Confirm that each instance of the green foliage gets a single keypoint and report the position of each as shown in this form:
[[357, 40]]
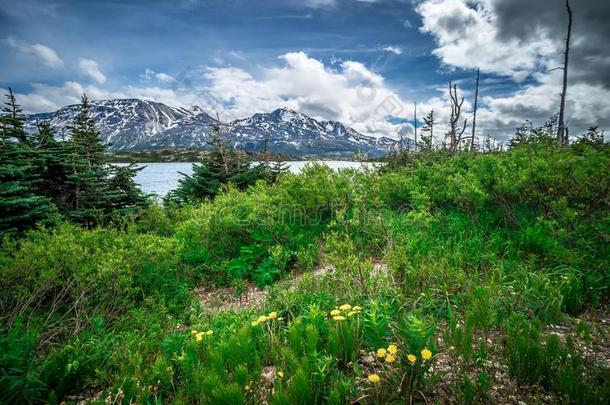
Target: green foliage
[[533, 358], [481, 249], [21, 203], [222, 165]]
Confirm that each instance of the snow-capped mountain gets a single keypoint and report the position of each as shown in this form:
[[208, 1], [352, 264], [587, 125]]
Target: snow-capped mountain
[[139, 125]]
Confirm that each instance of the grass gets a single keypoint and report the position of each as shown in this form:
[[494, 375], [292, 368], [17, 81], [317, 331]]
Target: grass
[[457, 267]]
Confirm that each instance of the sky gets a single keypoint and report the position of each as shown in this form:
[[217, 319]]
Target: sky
[[362, 62]]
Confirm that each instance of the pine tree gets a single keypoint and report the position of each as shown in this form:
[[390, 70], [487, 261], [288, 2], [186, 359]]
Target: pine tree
[[95, 189], [86, 195], [13, 120], [277, 168], [221, 165], [52, 165], [20, 206], [428, 128], [130, 197]]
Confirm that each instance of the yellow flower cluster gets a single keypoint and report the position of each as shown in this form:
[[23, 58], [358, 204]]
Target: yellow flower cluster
[[426, 354], [199, 335], [265, 318], [374, 378], [338, 314], [388, 354]]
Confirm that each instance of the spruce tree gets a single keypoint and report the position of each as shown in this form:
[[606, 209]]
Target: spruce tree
[[428, 128], [129, 197], [52, 165], [20, 206], [13, 120], [86, 196], [222, 164], [94, 188]]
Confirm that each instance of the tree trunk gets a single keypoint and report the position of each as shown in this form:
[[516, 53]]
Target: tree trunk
[[474, 118], [561, 133], [415, 124]]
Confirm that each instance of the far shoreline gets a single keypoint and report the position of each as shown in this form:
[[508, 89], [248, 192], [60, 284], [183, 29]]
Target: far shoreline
[[195, 155]]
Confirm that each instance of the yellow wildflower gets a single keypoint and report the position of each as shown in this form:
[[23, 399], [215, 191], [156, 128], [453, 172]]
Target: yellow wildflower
[[339, 318], [392, 349], [280, 374], [280, 319], [194, 332], [272, 315], [426, 354], [356, 308], [381, 352], [345, 307], [262, 319], [335, 312], [209, 333], [374, 378], [199, 336], [352, 313], [255, 323], [390, 358], [412, 358]]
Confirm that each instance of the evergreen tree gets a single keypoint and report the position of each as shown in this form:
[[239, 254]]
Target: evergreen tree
[[52, 165], [94, 188], [221, 165], [130, 196], [20, 206], [428, 129], [13, 120], [87, 195]]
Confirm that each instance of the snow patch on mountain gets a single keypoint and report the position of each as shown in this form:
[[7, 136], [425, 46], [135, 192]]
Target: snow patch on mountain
[[138, 125]]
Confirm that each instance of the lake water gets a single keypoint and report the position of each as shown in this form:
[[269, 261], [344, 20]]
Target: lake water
[[161, 178]]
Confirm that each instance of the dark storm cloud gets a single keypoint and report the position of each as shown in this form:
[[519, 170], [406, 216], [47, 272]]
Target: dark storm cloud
[[590, 50]]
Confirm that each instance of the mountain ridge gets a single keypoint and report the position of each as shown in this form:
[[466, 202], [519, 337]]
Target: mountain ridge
[[142, 125]]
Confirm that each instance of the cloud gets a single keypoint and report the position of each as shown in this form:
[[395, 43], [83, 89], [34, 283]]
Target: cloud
[[393, 49], [521, 39], [587, 105], [89, 67], [46, 98], [319, 3], [467, 36], [39, 52], [351, 93], [151, 75], [329, 3]]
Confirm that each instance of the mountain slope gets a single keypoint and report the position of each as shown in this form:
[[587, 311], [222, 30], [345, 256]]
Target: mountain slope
[[139, 125]]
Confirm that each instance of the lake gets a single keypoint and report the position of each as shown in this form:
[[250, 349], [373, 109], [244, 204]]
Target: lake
[[161, 178]]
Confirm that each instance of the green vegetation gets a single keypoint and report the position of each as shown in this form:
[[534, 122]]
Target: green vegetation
[[444, 276], [44, 180]]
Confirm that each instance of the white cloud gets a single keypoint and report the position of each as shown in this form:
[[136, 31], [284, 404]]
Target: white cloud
[[89, 67], [393, 49], [586, 105], [319, 3], [351, 93], [41, 53], [151, 75], [46, 98], [467, 36]]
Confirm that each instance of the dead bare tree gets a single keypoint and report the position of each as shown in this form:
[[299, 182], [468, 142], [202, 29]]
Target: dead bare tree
[[561, 132], [456, 131], [415, 124], [474, 116]]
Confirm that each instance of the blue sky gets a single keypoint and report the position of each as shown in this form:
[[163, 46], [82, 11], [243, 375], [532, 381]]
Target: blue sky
[[322, 57]]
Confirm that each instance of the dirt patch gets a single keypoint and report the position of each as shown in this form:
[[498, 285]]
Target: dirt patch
[[449, 371], [589, 333], [225, 298]]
